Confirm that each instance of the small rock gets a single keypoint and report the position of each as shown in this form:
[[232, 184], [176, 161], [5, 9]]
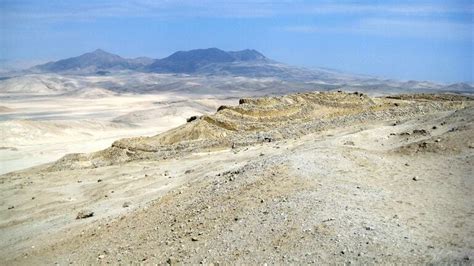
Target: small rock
[[188, 171], [171, 261], [437, 140], [126, 204], [194, 239], [434, 127], [11, 207], [192, 118], [420, 131], [349, 142], [99, 180], [84, 214], [369, 228], [415, 178]]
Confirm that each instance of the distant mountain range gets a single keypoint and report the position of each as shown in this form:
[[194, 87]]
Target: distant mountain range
[[211, 61], [179, 62]]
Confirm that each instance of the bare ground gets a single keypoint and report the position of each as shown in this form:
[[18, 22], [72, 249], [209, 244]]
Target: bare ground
[[375, 191]]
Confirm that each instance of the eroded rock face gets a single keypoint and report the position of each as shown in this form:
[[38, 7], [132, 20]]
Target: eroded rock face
[[274, 117]]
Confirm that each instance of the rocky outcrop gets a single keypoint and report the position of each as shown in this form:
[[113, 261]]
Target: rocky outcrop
[[275, 118]]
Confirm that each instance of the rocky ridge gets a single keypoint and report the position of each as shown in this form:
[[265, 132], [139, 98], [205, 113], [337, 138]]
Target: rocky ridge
[[264, 120]]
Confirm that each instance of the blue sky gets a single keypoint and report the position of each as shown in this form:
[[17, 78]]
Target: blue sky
[[419, 40]]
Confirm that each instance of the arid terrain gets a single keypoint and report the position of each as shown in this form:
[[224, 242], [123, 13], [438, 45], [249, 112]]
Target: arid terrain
[[236, 132], [313, 177], [43, 117]]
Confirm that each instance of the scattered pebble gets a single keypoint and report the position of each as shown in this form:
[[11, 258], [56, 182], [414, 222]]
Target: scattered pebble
[[84, 214]]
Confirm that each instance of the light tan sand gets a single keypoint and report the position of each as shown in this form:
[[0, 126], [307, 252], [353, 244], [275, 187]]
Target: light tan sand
[[42, 129]]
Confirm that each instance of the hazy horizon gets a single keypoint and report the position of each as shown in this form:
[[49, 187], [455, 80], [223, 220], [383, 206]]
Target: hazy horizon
[[411, 40]]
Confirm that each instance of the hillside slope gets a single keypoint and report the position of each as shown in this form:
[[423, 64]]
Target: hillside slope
[[311, 178]]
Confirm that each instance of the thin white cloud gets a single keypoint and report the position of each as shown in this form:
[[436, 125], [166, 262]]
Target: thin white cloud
[[219, 8], [417, 28], [394, 27]]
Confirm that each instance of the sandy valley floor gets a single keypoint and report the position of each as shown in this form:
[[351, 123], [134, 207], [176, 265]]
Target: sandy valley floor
[[41, 129]]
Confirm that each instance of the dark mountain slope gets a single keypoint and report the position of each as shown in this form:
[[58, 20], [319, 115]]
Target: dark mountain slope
[[191, 61], [93, 61]]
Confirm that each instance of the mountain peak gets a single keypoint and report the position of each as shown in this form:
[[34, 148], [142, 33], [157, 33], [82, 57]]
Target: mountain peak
[[190, 61], [99, 51], [247, 55]]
